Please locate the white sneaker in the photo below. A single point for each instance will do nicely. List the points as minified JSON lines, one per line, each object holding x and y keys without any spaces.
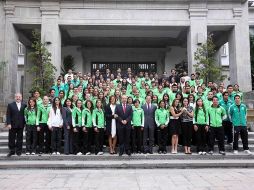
{"x":88,"y":153}
{"x":235,"y":152}
{"x":248,"y":152}
{"x":204,"y":153}
{"x":79,"y":153}
{"x":58,"y":153}
{"x":27,"y":153}
{"x":33,"y":153}
{"x":200,"y":153}
{"x":54,"y":153}
{"x":210,"y":152}
{"x":100,"y":153}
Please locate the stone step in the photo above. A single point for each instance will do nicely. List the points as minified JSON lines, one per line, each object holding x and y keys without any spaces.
{"x":108,"y":157}
{"x":126,"y":164}
{"x":228,"y":148}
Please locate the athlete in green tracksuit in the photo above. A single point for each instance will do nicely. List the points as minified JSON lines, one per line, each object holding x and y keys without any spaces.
{"x":238,"y":117}
{"x":99,"y":127}
{"x":44,"y":134}
{"x":78,"y":135}
{"x":216,"y":115}
{"x":137,"y":124}
{"x":162,"y":120}
{"x":31,"y":130}
{"x":87,"y":124}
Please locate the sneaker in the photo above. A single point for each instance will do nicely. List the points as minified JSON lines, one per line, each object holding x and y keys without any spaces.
{"x":200,"y":153}
{"x":79,"y":153}
{"x":53,"y":153}
{"x":235,"y":151}
{"x":222,"y":153}
{"x":160,"y":152}
{"x":100,"y":153}
{"x":165,"y":152}
{"x":33,"y":153}
{"x":88,"y":153}
{"x":247,"y":152}
{"x":204,"y":153}
{"x":58,"y":153}
{"x":27,"y":153}
{"x":210,"y":152}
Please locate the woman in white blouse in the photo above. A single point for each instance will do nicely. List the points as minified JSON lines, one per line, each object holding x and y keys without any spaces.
{"x":111,"y":124}
{"x":55,"y":124}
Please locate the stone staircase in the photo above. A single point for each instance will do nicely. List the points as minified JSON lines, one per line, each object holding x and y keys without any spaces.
{"x":2,"y":112}
{"x":137,"y":161}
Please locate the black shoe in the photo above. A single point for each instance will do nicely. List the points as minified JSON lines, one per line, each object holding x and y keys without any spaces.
{"x":150,"y":152}
{"x":129,"y":153}
{"x":10,"y":154}
{"x":165,"y":152}
{"x":19,"y":154}
{"x":120,"y":153}
{"x":160,"y":152}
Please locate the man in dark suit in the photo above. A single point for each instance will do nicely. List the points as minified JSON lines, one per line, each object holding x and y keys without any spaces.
{"x":149,"y":126}
{"x":15,"y":123}
{"x":124,"y":116}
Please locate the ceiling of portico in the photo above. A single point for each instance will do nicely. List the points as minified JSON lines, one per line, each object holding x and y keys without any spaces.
{"x":123,"y":36}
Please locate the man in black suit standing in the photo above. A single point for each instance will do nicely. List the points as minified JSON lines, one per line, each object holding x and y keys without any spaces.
{"x":15,"y":123}
{"x":124,"y":116}
{"x":149,"y":126}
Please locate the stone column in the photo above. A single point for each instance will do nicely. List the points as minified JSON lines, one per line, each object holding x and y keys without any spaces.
{"x":239,"y":50}
{"x":9,"y":53}
{"x":51,"y":34}
{"x":197,"y":33}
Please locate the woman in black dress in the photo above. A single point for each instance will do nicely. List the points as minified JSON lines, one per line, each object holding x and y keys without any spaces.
{"x":111,"y":124}
{"x":68,"y":129}
{"x":175,"y":124}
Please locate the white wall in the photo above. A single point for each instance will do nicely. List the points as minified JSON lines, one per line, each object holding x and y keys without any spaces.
{"x":76,"y":52}
{"x":174,"y":56}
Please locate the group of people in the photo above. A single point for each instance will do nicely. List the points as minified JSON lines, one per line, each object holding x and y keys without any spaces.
{"x":135,"y":112}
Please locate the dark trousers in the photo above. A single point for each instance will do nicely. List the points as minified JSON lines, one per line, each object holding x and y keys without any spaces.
{"x":68,"y":140}
{"x":228,"y":130}
{"x":56,"y":138}
{"x":31,"y":138}
{"x":162,"y":138}
{"x":242,"y":130}
{"x":148,"y":134}
{"x":15,"y":140}
{"x":99,"y":139}
{"x":136,"y":139}
{"x":88,"y":138}
{"x":78,"y":140}
{"x":218,"y":133}
{"x":201,"y":138}
{"x":44,"y":138}
{"x":124,"y":135}
{"x":187,"y":133}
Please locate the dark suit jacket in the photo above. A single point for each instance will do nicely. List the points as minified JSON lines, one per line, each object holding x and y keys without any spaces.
{"x":67,"y":117}
{"x":149,"y":115}
{"x":123,"y":116}
{"x":15,"y":117}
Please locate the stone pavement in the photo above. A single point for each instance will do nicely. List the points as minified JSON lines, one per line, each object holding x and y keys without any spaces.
{"x":156,"y":179}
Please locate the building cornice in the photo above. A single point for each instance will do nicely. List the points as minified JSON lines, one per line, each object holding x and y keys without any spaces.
{"x":49,"y":10}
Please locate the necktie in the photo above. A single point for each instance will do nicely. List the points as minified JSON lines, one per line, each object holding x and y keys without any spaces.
{"x":124,"y":108}
{"x":148,"y":107}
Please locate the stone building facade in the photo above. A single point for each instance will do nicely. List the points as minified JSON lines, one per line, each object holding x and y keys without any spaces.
{"x":163,"y":32}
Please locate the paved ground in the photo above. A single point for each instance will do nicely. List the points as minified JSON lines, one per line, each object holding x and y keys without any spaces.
{"x":128,"y":179}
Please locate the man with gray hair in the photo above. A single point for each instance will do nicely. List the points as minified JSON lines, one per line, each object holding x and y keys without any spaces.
{"x":15,"y":122}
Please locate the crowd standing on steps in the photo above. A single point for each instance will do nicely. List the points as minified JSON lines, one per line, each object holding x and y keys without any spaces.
{"x":132,"y":113}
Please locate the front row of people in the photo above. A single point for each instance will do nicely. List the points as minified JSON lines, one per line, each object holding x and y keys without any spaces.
{"x":135,"y":127}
